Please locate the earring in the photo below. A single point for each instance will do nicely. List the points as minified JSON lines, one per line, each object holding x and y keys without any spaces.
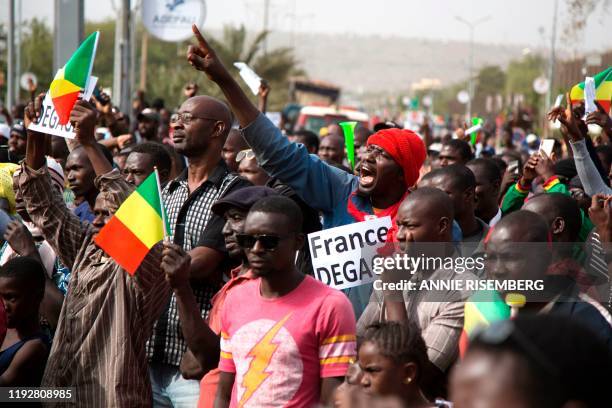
{"x":408,"y":380}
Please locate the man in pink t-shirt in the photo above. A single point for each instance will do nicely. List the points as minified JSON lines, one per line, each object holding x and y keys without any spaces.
{"x":286,"y":339}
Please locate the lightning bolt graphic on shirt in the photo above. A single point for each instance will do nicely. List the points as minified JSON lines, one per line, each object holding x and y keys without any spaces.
{"x":262,"y":354}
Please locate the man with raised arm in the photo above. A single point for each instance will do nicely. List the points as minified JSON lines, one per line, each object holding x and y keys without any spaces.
{"x":107,"y":315}
{"x":390,"y":166}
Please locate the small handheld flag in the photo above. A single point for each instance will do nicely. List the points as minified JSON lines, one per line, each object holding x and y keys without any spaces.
{"x":474,"y":131}
{"x":72,"y":79}
{"x":349,"y":141}
{"x":480,"y":310}
{"x":603,"y":89}
{"x":136,"y":227}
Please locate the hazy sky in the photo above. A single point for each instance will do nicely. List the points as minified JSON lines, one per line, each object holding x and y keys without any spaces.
{"x":511,"y":22}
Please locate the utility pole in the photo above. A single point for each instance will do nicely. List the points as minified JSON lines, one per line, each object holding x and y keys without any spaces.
{"x":17,"y":75}
{"x":67,"y":30}
{"x":10,"y":71}
{"x":471,"y":25}
{"x":121,"y":71}
{"x":265,"y":24}
{"x":551,"y":61}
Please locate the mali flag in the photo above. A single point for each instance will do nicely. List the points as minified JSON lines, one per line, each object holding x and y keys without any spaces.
{"x":603,"y":89}
{"x":136,"y":227}
{"x":481,"y":309}
{"x":72,"y":78}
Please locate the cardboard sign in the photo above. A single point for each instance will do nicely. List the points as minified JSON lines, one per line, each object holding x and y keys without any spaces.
{"x":49,"y":122}
{"x":342,"y":257}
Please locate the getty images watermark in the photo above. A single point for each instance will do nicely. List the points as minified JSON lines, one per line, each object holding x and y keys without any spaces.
{"x":469,"y":267}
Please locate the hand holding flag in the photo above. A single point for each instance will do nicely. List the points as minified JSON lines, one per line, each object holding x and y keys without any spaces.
{"x":136,"y":227}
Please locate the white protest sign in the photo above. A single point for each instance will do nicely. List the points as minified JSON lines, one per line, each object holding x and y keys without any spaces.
{"x":249,"y":76}
{"x":342,"y":257}
{"x":473,"y":129}
{"x":589,"y":96}
{"x":49,"y":121}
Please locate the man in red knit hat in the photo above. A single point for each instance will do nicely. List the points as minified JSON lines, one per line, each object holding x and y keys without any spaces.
{"x":390,"y":166}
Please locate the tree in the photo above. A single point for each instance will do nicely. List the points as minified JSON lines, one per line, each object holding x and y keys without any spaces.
{"x":520,"y":76}
{"x":578,"y":12}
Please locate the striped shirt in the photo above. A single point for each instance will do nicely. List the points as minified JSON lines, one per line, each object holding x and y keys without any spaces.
{"x":439,"y":315}
{"x":107,"y":316}
{"x":188,"y":214}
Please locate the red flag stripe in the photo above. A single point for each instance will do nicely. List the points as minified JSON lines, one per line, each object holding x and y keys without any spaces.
{"x":128,"y":251}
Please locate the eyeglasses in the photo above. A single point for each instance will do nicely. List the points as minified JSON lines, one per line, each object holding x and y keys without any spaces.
{"x":268,"y":242}
{"x":186,"y":118}
{"x":506,"y":332}
{"x":245,"y":154}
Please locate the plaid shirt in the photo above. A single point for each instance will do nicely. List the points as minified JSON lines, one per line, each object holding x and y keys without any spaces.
{"x":188,"y":215}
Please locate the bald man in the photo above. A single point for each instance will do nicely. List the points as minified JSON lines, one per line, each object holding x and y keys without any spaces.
{"x":563,"y":216}
{"x":518,"y":248}
{"x":331,"y":149}
{"x":233,"y":145}
{"x":424,"y":222}
{"x":200,"y":127}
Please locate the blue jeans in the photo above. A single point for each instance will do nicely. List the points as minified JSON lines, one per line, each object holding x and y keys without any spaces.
{"x":170,"y":389}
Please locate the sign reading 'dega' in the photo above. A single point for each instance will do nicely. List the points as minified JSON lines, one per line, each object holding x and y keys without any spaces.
{"x":171,"y":20}
{"x":343,"y":257}
{"x":49,"y":121}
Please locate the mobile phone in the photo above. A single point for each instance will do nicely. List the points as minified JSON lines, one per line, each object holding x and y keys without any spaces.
{"x":513,"y":167}
{"x":547,"y":146}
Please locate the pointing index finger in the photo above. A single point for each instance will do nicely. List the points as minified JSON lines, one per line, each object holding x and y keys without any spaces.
{"x":199,"y":37}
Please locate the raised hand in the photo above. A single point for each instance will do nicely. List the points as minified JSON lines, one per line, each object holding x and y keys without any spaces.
{"x":545,"y":166}
{"x":33,"y":110}
{"x":529,"y":169}
{"x":599,"y":117}
{"x":600,"y":214}
{"x":103,"y":103}
{"x":175,"y":264}
{"x":83,"y":117}
{"x":203,"y":58}
{"x":19,"y":238}
{"x":190,"y":90}
{"x":570,"y":120}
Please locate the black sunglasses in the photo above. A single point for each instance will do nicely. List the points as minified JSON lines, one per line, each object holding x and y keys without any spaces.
{"x":269,"y":242}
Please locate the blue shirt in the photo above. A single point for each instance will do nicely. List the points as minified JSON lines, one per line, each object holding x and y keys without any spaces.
{"x":83,"y":211}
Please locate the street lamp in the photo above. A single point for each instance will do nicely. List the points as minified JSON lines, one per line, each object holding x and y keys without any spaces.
{"x":471,"y":25}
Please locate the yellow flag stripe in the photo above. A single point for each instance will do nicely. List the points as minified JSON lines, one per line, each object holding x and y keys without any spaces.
{"x":140,"y":218}
{"x":473,"y":318}
{"x":61,"y":87}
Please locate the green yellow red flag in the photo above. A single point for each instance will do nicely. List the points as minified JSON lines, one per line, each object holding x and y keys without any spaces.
{"x":136,"y":227}
{"x":73,"y":78}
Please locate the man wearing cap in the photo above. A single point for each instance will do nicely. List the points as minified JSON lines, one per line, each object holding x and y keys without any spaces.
{"x":148,"y":123}
{"x":17,"y":142}
{"x":202,"y":336}
{"x":391,"y":163}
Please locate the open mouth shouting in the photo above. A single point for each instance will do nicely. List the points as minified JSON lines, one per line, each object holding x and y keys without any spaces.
{"x":367,"y":175}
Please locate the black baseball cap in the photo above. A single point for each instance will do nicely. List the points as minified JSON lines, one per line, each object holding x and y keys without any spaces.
{"x":242,"y":199}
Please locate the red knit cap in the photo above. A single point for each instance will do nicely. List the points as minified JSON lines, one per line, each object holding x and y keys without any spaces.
{"x":406,"y":148}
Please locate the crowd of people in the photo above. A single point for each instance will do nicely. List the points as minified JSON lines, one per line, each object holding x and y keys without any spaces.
{"x":227,"y":312}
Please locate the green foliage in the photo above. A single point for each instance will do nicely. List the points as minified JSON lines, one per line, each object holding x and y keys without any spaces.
{"x":167,"y":68}
{"x":520,"y":76}
{"x":37,"y":53}
{"x":491,"y":80}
